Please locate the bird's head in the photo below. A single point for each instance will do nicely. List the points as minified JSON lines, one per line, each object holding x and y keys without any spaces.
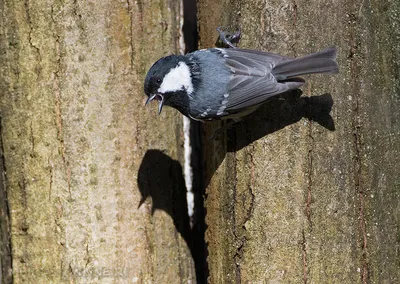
{"x":169,"y":81}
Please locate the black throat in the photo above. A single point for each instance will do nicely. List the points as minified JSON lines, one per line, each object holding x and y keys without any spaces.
{"x":179,"y":100}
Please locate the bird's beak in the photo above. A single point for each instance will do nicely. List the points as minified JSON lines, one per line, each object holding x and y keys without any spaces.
{"x":159,"y":98}
{"x":160,"y":104}
{"x":150,"y":98}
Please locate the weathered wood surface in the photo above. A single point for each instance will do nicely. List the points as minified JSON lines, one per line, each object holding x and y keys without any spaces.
{"x":288,"y":200}
{"x":76,"y":136}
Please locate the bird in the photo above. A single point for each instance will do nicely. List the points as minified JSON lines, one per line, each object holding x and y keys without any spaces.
{"x":229,"y":83}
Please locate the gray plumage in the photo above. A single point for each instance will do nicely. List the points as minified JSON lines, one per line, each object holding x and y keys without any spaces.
{"x":231,"y":83}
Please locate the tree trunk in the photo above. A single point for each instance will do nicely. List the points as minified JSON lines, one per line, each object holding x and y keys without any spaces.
{"x":294,"y":195}
{"x":75,"y":136}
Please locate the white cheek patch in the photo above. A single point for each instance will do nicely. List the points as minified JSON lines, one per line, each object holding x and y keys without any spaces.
{"x":177,"y":79}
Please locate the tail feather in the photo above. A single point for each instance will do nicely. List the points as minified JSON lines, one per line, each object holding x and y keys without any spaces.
{"x":319,"y":62}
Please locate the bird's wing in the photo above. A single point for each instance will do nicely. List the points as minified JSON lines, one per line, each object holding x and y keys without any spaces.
{"x":252,"y":82}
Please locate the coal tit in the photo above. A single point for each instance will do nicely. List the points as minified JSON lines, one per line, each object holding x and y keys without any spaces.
{"x":229,"y":83}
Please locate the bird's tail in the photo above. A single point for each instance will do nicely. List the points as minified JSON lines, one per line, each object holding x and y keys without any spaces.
{"x":319,"y":62}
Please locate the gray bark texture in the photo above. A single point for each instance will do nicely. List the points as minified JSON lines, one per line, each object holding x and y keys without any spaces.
{"x":292,"y":194}
{"x":75,"y":140}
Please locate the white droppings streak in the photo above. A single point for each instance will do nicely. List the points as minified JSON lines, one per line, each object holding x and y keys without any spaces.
{"x":177,"y":79}
{"x":188,"y":171}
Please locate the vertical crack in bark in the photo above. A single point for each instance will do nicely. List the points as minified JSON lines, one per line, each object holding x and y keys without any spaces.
{"x":250,"y":209}
{"x":32,"y":141}
{"x":51,"y":178}
{"x":294,"y":13}
{"x":57,"y":90}
{"x":238,"y":253}
{"x":309,"y":185}
{"x":238,"y":257}
{"x":238,"y":242}
{"x":356,"y":124}
{"x":131,"y":33}
{"x":80,"y":23}
{"x":310,"y":164}
{"x":5,"y":222}
{"x":71,"y":271}
{"x":37,"y":50}
{"x":136,"y":51}
{"x":305,"y":265}
{"x":22,"y":223}
{"x":139,"y":69}
{"x":360,"y":191}
{"x":294,"y":29}
{"x":57,"y":93}
{"x":309,"y":190}
{"x":240,"y":236}
{"x":69,"y":182}
{"x":249,"y":213}
{"x":87,"y":255}
{"x":24,"y":202}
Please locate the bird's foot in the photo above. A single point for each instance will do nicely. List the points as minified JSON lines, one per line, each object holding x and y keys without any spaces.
{"x":227,"y":39}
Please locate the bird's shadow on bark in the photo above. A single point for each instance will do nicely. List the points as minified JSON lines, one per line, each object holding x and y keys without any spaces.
{"x":276,"y":114}
{"x":161,"y":179}
{"x":280,"y":112}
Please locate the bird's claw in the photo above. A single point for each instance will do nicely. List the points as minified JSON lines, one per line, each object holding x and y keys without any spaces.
{"x":227,"y":39}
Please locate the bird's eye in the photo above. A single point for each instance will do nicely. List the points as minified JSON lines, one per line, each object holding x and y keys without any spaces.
{"x":158,"y":80}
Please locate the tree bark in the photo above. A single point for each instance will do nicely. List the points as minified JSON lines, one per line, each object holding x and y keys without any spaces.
{"x":75,"y":137}
{"x":294,"y":195}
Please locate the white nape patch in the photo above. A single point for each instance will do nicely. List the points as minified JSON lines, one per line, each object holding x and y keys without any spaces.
{"x":226,"y":95}
{"x":177,"y":79}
